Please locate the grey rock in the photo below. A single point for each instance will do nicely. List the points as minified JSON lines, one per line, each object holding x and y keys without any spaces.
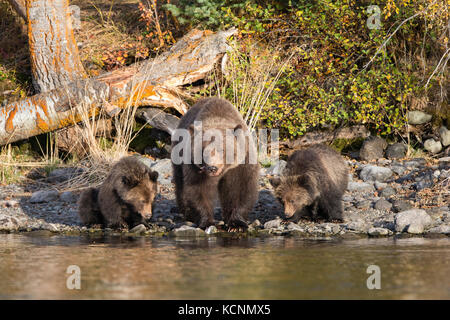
{"x":396,"y":151}
{"x":147,"y":161}
{"x":187,"y":231}
{"x":401,"y":205}
{"x":383,"y":204}
{"x":379,"y":232}
{"x":360,"y":187}
{"x":418,"y":117}
{"x":380,"y":185}
{"x":294,"y":227}
{"x":63,"y":174}
{"x":372,"y":149}
{"x":442,"y":229}
{"x":8,"y":223}
{"x":412,"y":221}
{"x":163,"y":167}
{"x":445,"y":136}
{"x":388,"y":192}
{"x":363,"y":204}
{"x":44,"y":196}
{"x":375,"y":173}
{"x":211,"y":230}
{"x":140,"y":228}
{"x":68,"y":197}
{"x":398,"y":170}
{"x":358,"y":226}
{"x":432,"y":146}
{"x":273,"y":224}
{"x":276,"y":168}
{"x":255,"y":223}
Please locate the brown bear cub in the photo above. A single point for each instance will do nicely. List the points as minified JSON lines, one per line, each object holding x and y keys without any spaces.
{"x":312,"y":184}
{"x":230,"y":175}
{"x":123,"y":200}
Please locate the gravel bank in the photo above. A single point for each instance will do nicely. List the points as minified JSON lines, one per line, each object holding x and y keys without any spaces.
{"x":384,"y":198}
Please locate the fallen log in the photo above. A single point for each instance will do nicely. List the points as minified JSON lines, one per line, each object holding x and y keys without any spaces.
{"x":154,"y":82}
{"x":311,"y":138}
{"x":159,"y":119}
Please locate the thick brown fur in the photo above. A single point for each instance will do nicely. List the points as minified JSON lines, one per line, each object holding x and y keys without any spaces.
{"x":124,"y":199}
{"x":312,"y":184}
{"x":236,"y":185}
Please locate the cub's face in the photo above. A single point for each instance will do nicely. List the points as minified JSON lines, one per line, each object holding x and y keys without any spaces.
{"x":139,"y":191}
{"x":292,"y":195}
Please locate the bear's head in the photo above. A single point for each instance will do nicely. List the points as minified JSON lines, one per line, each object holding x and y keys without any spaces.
{"x":295,"y":192}
{"x":214,"y":151}
{"x":137,"y":188}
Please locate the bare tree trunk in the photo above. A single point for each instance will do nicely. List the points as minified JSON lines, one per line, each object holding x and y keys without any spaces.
{"x":154,"y":82}
{"x":19,"y":6}
{"x":55,"y":61}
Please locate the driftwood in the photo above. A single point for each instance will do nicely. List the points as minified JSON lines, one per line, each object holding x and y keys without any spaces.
{"x":311,"y":138}
{"x":154,"y":82}
{"x":159,"y":119}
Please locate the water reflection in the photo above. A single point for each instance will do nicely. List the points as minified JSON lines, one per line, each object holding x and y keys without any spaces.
{"x":34,"y":266}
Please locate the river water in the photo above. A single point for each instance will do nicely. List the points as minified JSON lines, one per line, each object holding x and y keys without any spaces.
{"x":34,"y":266}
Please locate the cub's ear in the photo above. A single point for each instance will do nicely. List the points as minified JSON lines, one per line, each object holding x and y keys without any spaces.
{"x":153,"y":175}
{"x":128,"y":181}
{"x":275,"y":182}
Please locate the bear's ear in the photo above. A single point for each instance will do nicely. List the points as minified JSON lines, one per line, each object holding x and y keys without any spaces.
{"x":238,"y":127}
{"x":275,"y":182}
{"x":129,"y":182}
{"x":153,"y":175}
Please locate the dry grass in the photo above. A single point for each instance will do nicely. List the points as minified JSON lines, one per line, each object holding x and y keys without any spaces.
{"x":251,"y":79}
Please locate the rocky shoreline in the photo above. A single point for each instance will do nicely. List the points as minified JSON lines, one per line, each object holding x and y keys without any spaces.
{"x":384,"y":198}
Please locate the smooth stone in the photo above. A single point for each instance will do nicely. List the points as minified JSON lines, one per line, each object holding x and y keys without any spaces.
{"x":398,"y":170}
{"x":375,"y":173}
{"x":445,"y":136}
{"x":396,"y":151}
{"x":418,"y":117}
{"x":163,"y":167}
{"x":401,"y":205}
{"x":44,"y":196}
{"x":68,"y":196}
{"x":388,"y":192}
{"x":294,"y":227}
{"x":364,"y":204}
{"x":412,"y":221}
{"x":187,"y":231}
{"x":273,"y":224}
{"x":360,"y":187}
{"x":276,"y":168}
{"x":383,"y":204}
{"x":432,"y":146}
{"x":372,"y":149}
{"x":442,"y":229}
{"x":211,"y":230}
{"x":378,"y":232}
{"x":380,"y":185}
{"x":140,"y":228}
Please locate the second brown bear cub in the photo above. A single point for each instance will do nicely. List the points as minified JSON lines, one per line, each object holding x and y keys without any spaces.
{"x":312,"y":184}
{"x":124,"y":199}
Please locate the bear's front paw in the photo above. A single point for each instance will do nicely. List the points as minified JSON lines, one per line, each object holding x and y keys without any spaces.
{"x":237,"y":226}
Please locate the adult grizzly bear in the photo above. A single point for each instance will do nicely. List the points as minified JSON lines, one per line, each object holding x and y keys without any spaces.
{"x":217,"y":159}
{"x":312,"y":184}
{"x":124,"y":199}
